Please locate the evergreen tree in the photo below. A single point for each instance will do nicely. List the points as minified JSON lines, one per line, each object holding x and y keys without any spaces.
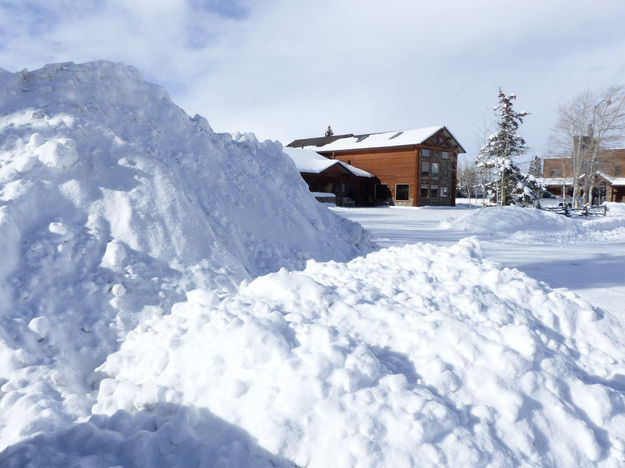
{"x":536,"y":167}
{"x":508,"y":185}
{"x":329,"y":131}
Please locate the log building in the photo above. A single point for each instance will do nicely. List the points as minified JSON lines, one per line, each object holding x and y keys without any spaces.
{"x":412,"y":167}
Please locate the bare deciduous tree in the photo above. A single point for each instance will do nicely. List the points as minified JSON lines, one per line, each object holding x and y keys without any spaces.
{"x":587,"y":125}
{"x":467,"y":177}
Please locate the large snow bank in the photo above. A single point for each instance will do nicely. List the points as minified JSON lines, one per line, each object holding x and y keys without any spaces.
{"x":411,"y":356}
{"x":530,"y":225}
{"x":114,"y":203}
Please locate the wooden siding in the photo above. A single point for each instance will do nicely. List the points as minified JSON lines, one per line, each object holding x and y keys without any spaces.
{"x":557,"y":167}
{"x":393,"y":166}
{"x":390,"y":167}
{"x":613,"y":163}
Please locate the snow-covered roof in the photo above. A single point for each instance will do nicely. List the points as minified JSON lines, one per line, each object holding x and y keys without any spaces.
{"x":614,"y":181}
{"x":386,"y":140}
{"x":308,"y":160}
{"x":555,"y":180}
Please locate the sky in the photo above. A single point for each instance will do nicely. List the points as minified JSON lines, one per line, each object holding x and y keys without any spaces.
{"x":286,"y":69}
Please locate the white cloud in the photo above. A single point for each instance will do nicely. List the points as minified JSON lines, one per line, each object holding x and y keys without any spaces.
{"x":287,"y":69}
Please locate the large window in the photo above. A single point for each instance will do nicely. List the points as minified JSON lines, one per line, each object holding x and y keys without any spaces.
{"x":402,"y":191}
{"x":434,"y":191}
{"x":555,"y":172}
{"x":425,"y":169}
{"x":425,"y":191}
{"x":435,"y":167}
{"x":434,"y":153}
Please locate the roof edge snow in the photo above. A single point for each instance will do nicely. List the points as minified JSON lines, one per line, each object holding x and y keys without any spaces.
{"x":367,"y":141}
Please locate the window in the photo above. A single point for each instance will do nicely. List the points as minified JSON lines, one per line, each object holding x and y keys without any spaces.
{"x":425,"y":191}
{"x":444,"y":192}
{"x":617,"y":171}
{"x":402,"y":191}
{"x":425,"y":152}
{"x":435,"y":170}
{"x":425,"y":169}
{"x":434,"y":191}
{"x":555,"y":172}
{"x":445,"y":155}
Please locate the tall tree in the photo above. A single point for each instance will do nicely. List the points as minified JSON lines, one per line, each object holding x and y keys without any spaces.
{"x":497,"y":156}
{"x":536,"y":167}
{"x":588,"y":125}
{"x":606,"y":127}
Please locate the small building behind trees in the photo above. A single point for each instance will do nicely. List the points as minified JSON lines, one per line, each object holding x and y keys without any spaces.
{"x":609,"y":176}
{"x":412,"y":167}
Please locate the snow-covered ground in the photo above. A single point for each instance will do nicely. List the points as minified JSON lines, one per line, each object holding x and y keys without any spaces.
{"x":157,"y":307}
{"x":585,"y":255}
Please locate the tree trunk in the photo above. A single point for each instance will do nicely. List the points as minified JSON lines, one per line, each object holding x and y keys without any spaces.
{"x":575,"y":193}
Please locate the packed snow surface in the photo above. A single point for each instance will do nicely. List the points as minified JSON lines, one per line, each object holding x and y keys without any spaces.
{"x":113,"y":204}
{"x":534,"y":225}
{"x":145,"y":319}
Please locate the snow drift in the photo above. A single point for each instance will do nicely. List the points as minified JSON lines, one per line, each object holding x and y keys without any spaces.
{"x":411,"y":356}
{"x":114,"y":203}
{"x":529,"y":225}
{"x":137,"y":328}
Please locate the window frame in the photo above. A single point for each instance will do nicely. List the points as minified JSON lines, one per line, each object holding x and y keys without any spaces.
{"x":425,"y":173}
{"x":438,"y":170}
{"x":434,"y":191}
{"x":397,"y":192}
{"x":425,"y":187}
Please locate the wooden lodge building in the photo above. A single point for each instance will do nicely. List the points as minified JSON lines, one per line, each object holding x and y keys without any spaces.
{"x":609,"y":177}
{"x":411,"y":167}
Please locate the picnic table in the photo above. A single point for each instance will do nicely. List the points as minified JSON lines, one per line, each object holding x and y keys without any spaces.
{"x":586,"y":210}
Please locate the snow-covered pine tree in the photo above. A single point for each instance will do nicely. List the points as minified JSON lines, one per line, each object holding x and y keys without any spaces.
{"x":329,"y":131}
{"x":536,"y":167}
{"x":508,"y":185}
{"x":526,"y":189}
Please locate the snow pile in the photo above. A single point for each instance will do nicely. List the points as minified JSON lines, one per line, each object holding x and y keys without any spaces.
{"x":113,"y":204}
{"x":414,"y":355}
{"x":529,"y":225}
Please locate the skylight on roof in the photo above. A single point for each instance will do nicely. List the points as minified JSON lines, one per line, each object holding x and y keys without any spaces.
{"x":396,"y":135}
{"x":362,"y":138}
